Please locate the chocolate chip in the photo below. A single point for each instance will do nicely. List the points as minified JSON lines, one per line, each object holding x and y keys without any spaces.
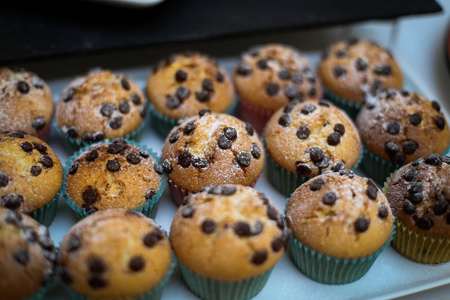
{"x":97,"y":265}
{"x":243,"y":69}
{"x":172,"y":102}
{"x":136,"y":263}
{"x":17,"y":134}
{"x":308,"y":108}
{"x":199,"y":162}
{"x":21,"y":256}
{"x":303,"y":169}
{"x":188,"y":211}
{"x":189,"y":127}
{"x":150,"y":239}
{"x":316,"y":185}
{"x":257,"y":228}
{"x":74,"y":243}
{"x":136,"y":99}
{"x":158,"y":168}
{"x":87,"y":137}
{"x":125,"y":84}
{"x":409,"y":176}
{"x":35,"y":170}
{"x":183,"y":93}
{"x":124,"y":107}
{"x":259,"y":257}
{"x":181,"y":76}
{"x":393,"y":127}
{"x":97,"y":282}
{"x":415,"y":119}
{"x":214,"y":190}
{"x":133,"y":158}
{"x":383,"y":212}
{"x":255,"y":151}
{"x":339,"y":71}
{"x":324,"y":103}
{"x":440,"y":122}
{"x":116,"y":122}
{"x":39,"y":123}
{"x":362,"y":224}
{"x":277,"y":243}
{"x":312,"y":91}
{"x":284,"y":120}
{"x":149,"y":195}
{"x":409,"y":147}
{"x":382,"y":70}
{"x":208,"y":85}
{"x":209,"y":226}
{"x":272,"y":89}
{"x":441,"y":207}
{"x":40,"y":147}
{"x":372,"y":192}
{"x":69,"y":95}
{"x":290,"y":107}
{"x":284,"y":74}
{"x":338,"y":166}
{"x":329,"y":198}
{"x":166,"y":166}
{"x":334,"y":138}
{"x":349,"y":173}
{"x":416,"y":187}
{"x":297,"y":78}
{"x":46,"y":161}
{"x":228,"y":190}
{"x":262,"y":64}
{"x":408,"y":207}
{"x":174,"y":135}
{"x":219,"y":76}
{"x":89,"y":208}
{"x":230,"y":133}
{"x":107,"y":109}
{"x":204,"y":111}
{"x":143,"y":111}
{"x":390,"y":148}
{"x":23,"y":87}
{"x":316,"y":154}
{"x":272,"y":212}
{"x":72,"y":132}
{"x":424,"y":223}
{"x":64,"y":274}
{"x":249,"y":128}
{"x":224,"y":142}
{"x":202,"y":96}
{"x":339,"y":128}
{"x":303,"y":132}
{"x":243,"y":159}
{"x":291,"y":92}
{"x":447,"y":219}
{"x":4,"y":179}
{"x":26,"y":146}
{"x":416,"y":197}
{"x":433,"y":159}
{"x":242,"y":229}
{"x":436,"y":106}
{"x":90,"y":195}
{"x":184,"y":159}
{"x":361,"y":64}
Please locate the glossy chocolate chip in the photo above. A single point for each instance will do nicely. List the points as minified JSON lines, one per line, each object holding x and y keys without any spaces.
{"x":89,"y":208}
{"x":284,"y":74}
{"x":174,"y":135}
{"x":257,"y":228}
{"x":40,"y":147}
{"x":220,"y":77}
{"x":272,"y":89}
{"x":214,"y":190}
{"x":72,"y":132}
{"x":228,"y":190}
{"x":207,"y":85}
{"x":249,"y":128}
{"x":291,"y":92}
{"x":143,"y":111}
{"x":149,"y":195}
{"x":259,"y":257}
{"x":408,"y":207}
{"x":393,"y":127}
{"x":189,"y":127}
{"x":361,"y":64}
{"x":172,"y":102}
{"x":383,"y":211}
{"x":124,"y":107}
{"x":181,"y":76}
{"x":133,"y":158}
{"x":115,"y":148}
{"x":409,"y":147}
{"x":329,"y":198}
{"x":136,"y":263}
{"x":433,"y":159}
{"x":35,"y":170}
{"x":339,"y":128}
{"x":125,"y":84}
{"x":183,"y":93}
{"x":338,"y":166}
{"x":188,"y":211}
{"x":416,"y":187}
{"x":39,"y":123}
{"x":390,"y":148}
{"x":242,"y":229}
{"x":436,"y":106}
{"x":308,"y":108}
{"x":316,"y":154}
{"x":440,"y":122}
{"x":74,"y":243}
{"x":17,"y":134}
{"x":202,"y":96}
{"x":382,"y":70}
{"x":362,"y":224}
{"x":285,"y":120}
{"x":441,"y":207}
{"x":136,"y":99}
{"x":107,"y":109}
{"x":316,"y":185}
{"x":97,"y":265}
{"x":199,"y":162}
{"x":415,"y":119}
{"x":166,"y":166}
{"x":255,"y":151}
{"x":4,"y":179}
{"x":224,"y":142}
{"x":64,"y":274}
{"x":204,"y":111}
{"x":46,"y":161}
{"x":26,"y":146}
{"x":303,"y":169}
{"x":87,"y":137}
{"x":185,"y":159}
{"x":277,"y":243}
{"x":150,"y":239}
{"x":424,"y":223}
{"x":90,"y":195}
{"x":230,"y":133}
{"x":334,"y":138}
{"x":410,"y":175}
{"x":372,"y":192}
{"x":297,"y":78}
{"x":243,"y":158}
{"x":69,"y":95}
{"x":116,"y":122}
{"x":97,"y":282}
{"x":312,"y":91}
{"x":243,"y":69}
{"x":23,"y":87}
{"x":21,"y":256}
{"x":262,"y":63}
{"x":209,"y":226}
{"x":291,"y":106}
{"x":303,"y":132}
{"x":272,"y":212}
{"x":339,"y":71}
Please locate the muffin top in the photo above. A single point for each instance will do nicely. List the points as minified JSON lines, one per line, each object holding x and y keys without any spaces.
{"x":100,"y":105}
{"x":311,"y":137}
{"x":27,"y":255}
{"x":340,"y":215}
{"x":26,"y":101}
{"x":352,"y":68}
{"x":114,"y":254}
{"x":419,"y":195}
{"x":185,"y":83}
{"x":272,"y":75}
{"x":403,"y":126}
{"x":113,"y":175}
{"x":212,"y":149}
{"x":228,"y":232}
{"x":30,"y":172}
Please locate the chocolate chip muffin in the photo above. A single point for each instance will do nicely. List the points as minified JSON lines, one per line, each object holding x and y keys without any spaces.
{"x":228,"y":237}
{"x":114,"y":174}
{"x":182,"y":85}
{"x":101,"y":105}
{"x":303,"y":140}
{"x":211,"y":149}
{"x":419,"y":195}
{"x":339,"y":221}
{"x":27,"y":256}
{"x":115,"y":254}
{"x":354,"y":68}
{"x":26,"y":102}
{"x":31,"y":176}
{"x":269,"y":77}
{"x":398,"y":127}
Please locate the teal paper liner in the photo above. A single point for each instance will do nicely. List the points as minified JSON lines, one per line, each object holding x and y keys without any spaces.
{"x":163,"y":125}
{"x":73,"y":144}
{"x":153,"y":294}
{"x":148,"y":208}
{"x":377,"y":168}
{"x":213,"y":289}
{"x":46,"y":214}
{"x":351,"y":108}
{"x":40,"y":294}
{"x":329,"y":269}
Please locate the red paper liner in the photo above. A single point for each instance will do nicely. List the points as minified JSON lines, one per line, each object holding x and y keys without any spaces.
{"x":258,"y":117}
{"x":44,"y":132}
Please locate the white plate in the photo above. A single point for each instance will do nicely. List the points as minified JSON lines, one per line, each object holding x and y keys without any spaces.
{"x":391,"y":275}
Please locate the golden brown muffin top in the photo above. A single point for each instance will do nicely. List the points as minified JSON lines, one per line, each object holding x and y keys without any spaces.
{"x":272,"y":75}
{"x":341,"y":215}
{"x":403,"y":126}
{"x":419,"y":195}
{"x":100,"y":105}
{"x":113,"y":175}
{"x":31,"y":173}
{"x":26,"y":102}
{"x":185,"y":83}
{"x":114,"y":254}
{"x":352,"y":68}
{"x":311,"y":137}
{"x":228,"y":232}
{"x":212,"y":149}
{"x":27,"y":255}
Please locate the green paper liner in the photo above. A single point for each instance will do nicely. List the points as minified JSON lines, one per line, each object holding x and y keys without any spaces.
{"x":46,"y":214}
{"x":377,"y":167}
{"x":40,"y":294}
{"x":153,"y":294}
{"x":351,"y":108}
{"x":163,"y":125}
{"x":329,"y":269}
{"x":73,"y":144}
{"x":213,"y":289}
{"x":148,"y":208}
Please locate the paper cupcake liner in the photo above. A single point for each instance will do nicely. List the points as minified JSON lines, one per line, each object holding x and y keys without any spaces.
{"x":40,"y":295}
{"x":46,"y":214}
{"x":328,"y":269}
{"x":213,"y":289}
{"x":44,"y":132}
{"x":163,"y":125}
{"x":178,"y":193}
{"x":351,"y":108}
{"x":73,"y":144}
{"x":285,"y":181}
{"x":148,"y":208}
{"x":154,"y":294}
{"x":258,"y":117}
{"x":377,"y":168}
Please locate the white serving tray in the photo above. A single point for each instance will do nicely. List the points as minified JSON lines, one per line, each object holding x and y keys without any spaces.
{"x":391,"y":275}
